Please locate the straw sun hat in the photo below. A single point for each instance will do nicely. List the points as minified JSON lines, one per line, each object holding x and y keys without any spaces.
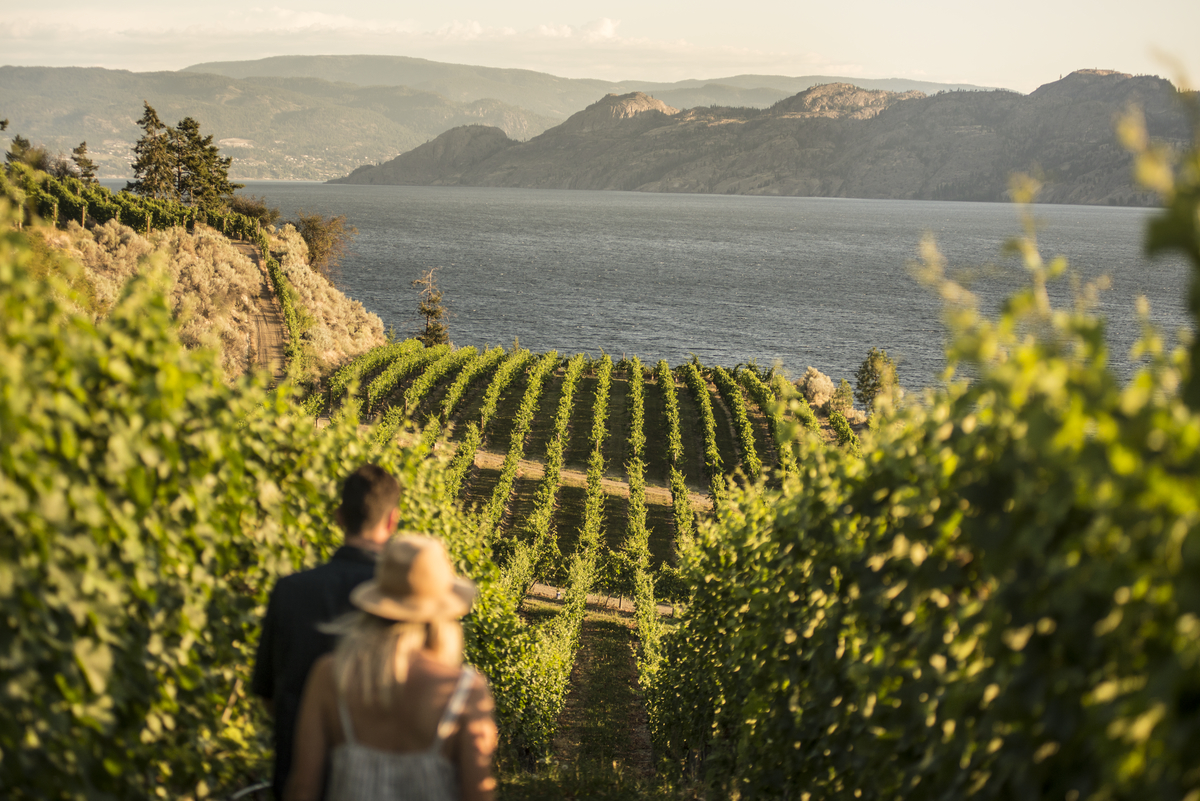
{"x":414,"y":581}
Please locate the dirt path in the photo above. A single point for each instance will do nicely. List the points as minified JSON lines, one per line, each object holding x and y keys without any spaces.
{"x":529,"y":468}
{"x":269,"y":333}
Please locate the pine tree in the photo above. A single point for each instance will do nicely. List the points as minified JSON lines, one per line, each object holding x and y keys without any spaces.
{"x":202,"y":174}
{"x":180,"y":164}
{"x":431,"y":308}
{"x":876,"y":375}
{"x":85,"y":166}
{"x":153,"y":166}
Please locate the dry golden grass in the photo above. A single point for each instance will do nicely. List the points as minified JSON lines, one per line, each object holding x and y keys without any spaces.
{"x":214,"y":287}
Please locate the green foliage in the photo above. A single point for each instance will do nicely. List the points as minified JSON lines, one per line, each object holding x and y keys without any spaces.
{"x":327,"y":239}
{"x":773,"y":408}
{"x":680,"y":497}
{"x":1001,"y":600}
{"x":1175,"y":178}
{"x":712,"y":457}
{"x":400,"y":368}
{"x":367,"y":363}
{"x":732,"y":395}
{"x":430,"y":307}
{"x":178,"y":164}
{"x":842,"y":400}
{"x":397,"y":414}
{"x":464,"y":457}
{"x":538,"y":374}
{"x":254,"y":207}
{"x":539,"y":534}
{"x":637,"y":408}
{"x":846,"y":437}
{"x":148,"y":508}
{"x":293,"y":322}
{"x":875,"y":376}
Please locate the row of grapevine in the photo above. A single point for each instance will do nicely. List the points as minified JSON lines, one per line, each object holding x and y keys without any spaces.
{"x":712,"y":456}
{"x":417,"y":391}
{"x":537,"y":537}
{"x":60,"y":201}
{"x":399,"y":369}
{"x":685,"y":519}
{"x":732,"y":395}
{"x":538,"y":374}
{"x":846,"y":438}
{"x":142,"y":534}
{"x":1006,"y":604}
{"x":478,"y":365}
{"x":367,"y":363}
{"x":290,"y":307}
{"x":559,"y":642}
{"x":796,"y":403}
{"x":773,"y":409}
{"x":397,"y":413}
{"x":636,"y":549}
{"x":464,"y":457}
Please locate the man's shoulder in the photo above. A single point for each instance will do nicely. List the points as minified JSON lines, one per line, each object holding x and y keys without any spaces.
{"x":346,"y":563}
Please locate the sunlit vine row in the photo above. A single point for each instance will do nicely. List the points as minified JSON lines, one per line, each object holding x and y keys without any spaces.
{"x":519,"y":429}
{"x":399,"y":369}
{"x":732,"y":395}
{"x":685,"y":519}
{"x":537,"y":537}
{"x":712,"y":457}
{"x":772,"y":408}
{"x":464,"y":457}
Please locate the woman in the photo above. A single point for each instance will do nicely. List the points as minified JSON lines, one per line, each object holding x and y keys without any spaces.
{"x":392,"y":713}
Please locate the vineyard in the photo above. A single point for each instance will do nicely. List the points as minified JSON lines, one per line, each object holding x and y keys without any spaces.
{"x":992,"y":591}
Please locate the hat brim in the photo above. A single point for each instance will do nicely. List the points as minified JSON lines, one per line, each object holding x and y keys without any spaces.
{"x":454,"y":604}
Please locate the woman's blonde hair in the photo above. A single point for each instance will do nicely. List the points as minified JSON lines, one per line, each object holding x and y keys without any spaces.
{"x":378,"y":651}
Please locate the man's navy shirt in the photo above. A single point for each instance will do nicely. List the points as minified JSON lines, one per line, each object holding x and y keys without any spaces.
{"x":290,"y":642}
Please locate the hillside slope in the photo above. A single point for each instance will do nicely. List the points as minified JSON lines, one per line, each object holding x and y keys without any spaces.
{"x":835,"y":140}
{"x":216,"y":288}
{"x":290,"y":128}
{"x":541,"y":92}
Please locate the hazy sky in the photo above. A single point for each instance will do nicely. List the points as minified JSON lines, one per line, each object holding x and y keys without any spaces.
{"x":1017,"y":44}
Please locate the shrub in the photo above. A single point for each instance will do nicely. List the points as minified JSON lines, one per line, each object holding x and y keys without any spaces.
{"x":327,"y":239}
{"x":255,"y":207}
{"x":876,"y":376}
{"x":816,"y":387}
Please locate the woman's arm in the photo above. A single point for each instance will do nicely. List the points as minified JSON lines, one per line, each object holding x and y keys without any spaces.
{"x":313,"y":741}
{"x":477,"y":739}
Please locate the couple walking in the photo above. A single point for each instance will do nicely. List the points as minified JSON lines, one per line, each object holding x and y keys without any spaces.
{"x":360,"y":663}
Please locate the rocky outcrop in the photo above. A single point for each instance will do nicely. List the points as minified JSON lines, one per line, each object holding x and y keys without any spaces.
{"x":835,"y":140}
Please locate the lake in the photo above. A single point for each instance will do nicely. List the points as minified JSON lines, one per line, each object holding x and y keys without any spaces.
{"x":798,"y":281}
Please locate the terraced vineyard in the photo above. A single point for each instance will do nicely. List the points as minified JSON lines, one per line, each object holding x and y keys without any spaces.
{"x":534,"y":439}
{"x":584,"y":475}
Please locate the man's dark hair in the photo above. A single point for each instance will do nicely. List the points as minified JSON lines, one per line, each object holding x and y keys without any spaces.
{"x":370,"y":492}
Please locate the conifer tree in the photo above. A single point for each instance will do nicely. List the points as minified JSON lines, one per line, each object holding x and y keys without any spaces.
{"x":431,"y":308}
{"x":180,"y":164}
{"x":152,"y":167}
{"x":876,"y":375}
{"x":85,"y":166}
{"x":201,"y":173}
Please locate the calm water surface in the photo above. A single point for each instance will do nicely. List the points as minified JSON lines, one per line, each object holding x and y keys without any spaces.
{"x":800,"y":281}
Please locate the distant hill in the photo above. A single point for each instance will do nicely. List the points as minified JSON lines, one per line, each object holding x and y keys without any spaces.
{"x":283,"y":128}
{"x":540,"y":92}
{"x":835,"y":140}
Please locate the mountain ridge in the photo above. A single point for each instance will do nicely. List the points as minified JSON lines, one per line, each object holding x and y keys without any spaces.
{"x":835,"y":140}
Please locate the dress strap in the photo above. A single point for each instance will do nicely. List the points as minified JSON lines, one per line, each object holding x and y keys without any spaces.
{"x":344,"y":714}
{"x":453,"y":709}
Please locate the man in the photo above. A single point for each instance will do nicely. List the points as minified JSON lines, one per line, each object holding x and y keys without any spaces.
{"x":290,"y":642}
